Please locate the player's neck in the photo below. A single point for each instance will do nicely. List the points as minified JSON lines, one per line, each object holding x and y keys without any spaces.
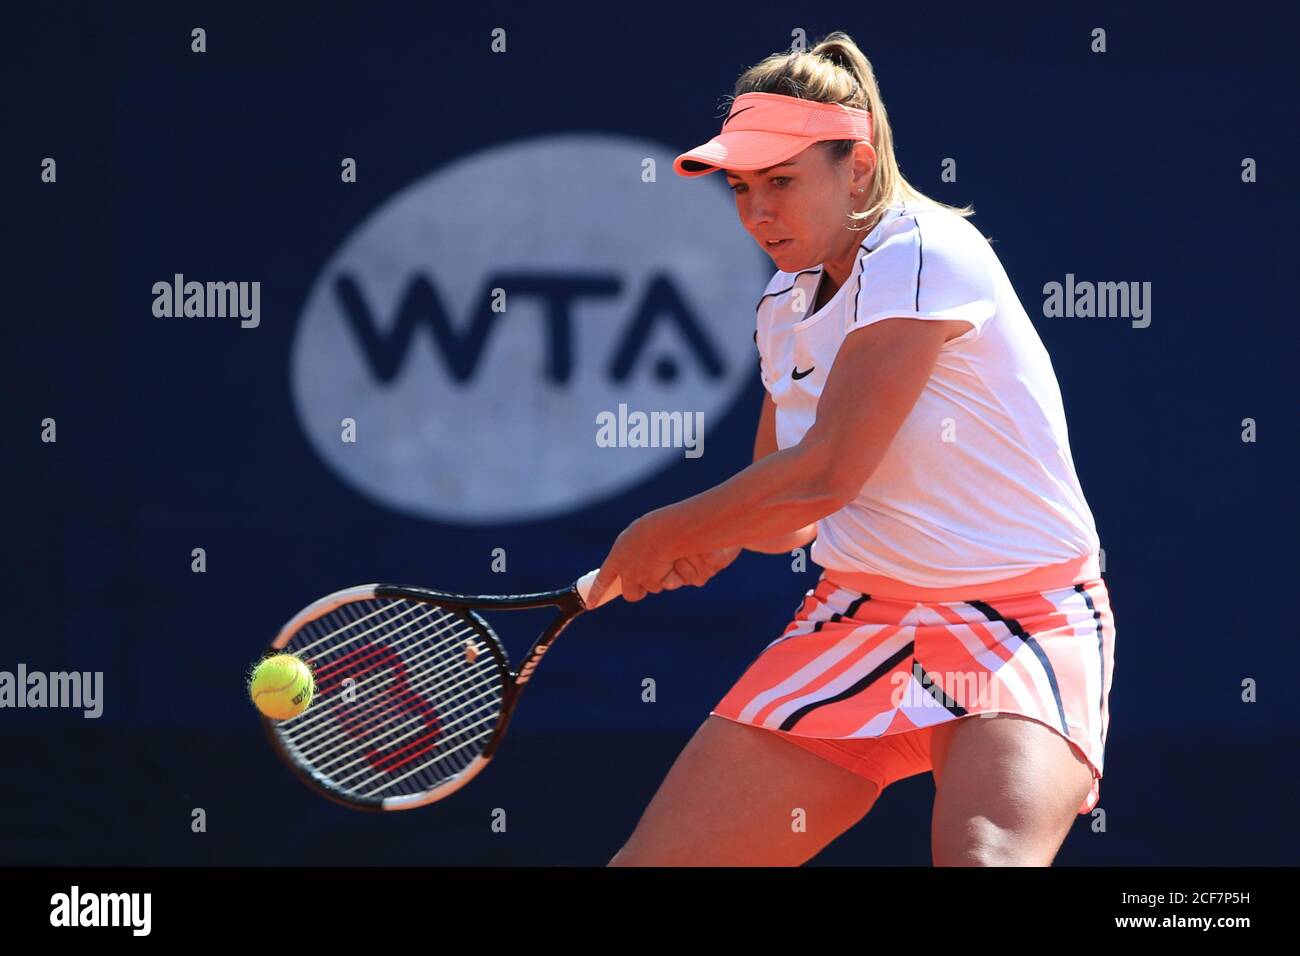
{"x":836,"y":272}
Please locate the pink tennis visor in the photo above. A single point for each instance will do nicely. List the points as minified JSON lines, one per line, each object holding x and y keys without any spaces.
{"x":764,"y":129}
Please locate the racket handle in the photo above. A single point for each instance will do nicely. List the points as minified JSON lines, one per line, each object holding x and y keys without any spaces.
{"x":584,"y":588}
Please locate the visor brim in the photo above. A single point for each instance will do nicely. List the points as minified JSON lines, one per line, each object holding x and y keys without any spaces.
{"x":741,"y":150}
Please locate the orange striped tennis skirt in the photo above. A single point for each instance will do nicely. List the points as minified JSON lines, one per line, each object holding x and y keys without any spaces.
{"x":869,"y":665}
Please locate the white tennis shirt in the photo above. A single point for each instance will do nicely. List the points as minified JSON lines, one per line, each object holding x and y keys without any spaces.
{"x":979,"y":484}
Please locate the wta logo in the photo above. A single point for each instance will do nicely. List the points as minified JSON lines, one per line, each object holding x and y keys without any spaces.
{"x":478,"y":322}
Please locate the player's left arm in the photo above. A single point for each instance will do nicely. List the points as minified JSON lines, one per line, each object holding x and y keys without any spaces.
{"x":878,"y":375}
{"x":876,"y":379}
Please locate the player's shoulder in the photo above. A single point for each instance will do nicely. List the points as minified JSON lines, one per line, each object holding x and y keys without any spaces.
{"x":925,"y":237}
{"x":928,"y":226}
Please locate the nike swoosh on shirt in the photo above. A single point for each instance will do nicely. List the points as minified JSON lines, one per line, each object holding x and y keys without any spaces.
{"x":796,"y":374}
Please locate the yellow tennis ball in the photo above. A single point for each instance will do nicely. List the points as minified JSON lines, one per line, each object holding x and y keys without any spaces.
{"x":282,"y":686}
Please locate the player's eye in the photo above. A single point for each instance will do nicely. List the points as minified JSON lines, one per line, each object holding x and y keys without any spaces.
{"x":779,"y":181}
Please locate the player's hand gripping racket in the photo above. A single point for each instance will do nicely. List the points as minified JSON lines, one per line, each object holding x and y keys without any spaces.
{"x":413,"y":689}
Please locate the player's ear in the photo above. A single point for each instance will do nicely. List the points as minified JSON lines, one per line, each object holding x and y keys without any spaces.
{"x":864,"y":166}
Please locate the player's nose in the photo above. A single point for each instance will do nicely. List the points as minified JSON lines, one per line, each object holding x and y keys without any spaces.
{"x":757,"y":221}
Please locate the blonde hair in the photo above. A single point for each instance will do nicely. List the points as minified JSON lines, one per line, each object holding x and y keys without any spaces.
{"x":836,"y":71}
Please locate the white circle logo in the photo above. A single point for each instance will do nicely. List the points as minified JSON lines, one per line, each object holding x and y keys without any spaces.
{"x":477,"y":323}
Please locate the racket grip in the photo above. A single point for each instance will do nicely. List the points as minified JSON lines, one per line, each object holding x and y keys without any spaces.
{"x":584,"y":588}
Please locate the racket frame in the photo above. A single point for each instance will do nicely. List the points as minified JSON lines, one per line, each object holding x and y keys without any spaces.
{"x":570,"y":602}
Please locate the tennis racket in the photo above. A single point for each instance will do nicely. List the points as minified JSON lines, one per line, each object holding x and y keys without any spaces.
{"x":413,"y":689}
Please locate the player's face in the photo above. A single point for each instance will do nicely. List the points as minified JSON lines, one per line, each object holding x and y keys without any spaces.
{"x":803,"y":203}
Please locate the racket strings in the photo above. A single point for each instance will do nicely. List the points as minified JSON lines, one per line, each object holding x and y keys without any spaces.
{"x":394,"y":758}
{"x":328,"y":759}
{"x":402,"y":704}
{"x":438,"y":658}
{"x":487,"y":680}
{"x":324,"y":669}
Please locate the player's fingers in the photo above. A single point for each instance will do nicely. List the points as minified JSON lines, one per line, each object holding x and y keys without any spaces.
{"x":672,"y":581}
{"x":607,"y":575}
{"x":717,"y":560}
{"x":691,"y":570}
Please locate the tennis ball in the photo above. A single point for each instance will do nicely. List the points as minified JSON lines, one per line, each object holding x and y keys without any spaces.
{"x":282,"y":686}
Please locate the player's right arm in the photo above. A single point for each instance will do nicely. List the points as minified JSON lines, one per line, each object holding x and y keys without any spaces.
{"x":764,"y":445}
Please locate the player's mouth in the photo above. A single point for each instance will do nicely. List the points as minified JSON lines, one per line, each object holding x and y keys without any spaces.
{"x":771,"y":245}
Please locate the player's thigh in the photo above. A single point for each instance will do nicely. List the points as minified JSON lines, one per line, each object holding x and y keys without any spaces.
{"x":1008,"y":790}
{"x":742,"y":796}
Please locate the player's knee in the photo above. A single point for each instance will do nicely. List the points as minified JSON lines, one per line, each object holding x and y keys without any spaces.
{"x":753,"y":857}
{"x":623,"y":858}
{"x":642,"y":849}
{"x":980,"y":842}
{"x":973,"y":855}
{"x":637,"y":854}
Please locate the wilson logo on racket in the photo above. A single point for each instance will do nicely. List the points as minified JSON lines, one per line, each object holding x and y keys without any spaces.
{"x":385,"y":708}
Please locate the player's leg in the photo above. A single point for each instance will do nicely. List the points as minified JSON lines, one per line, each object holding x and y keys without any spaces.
{"x":1008,"y":789}
{"x":742,"y":796}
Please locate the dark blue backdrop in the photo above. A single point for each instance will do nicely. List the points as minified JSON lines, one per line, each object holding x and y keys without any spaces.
{"x":176,"y":434}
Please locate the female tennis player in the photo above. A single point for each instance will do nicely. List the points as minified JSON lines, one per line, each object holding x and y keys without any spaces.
{"x":914,"y":427}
